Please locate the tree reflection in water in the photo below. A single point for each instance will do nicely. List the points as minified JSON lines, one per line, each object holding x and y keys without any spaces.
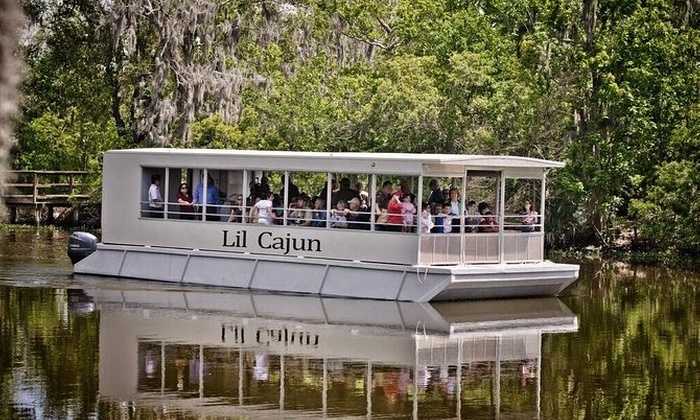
{"x":62,"y":353}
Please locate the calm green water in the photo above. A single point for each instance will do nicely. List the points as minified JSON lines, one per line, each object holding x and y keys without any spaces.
{"x":622,"y":343}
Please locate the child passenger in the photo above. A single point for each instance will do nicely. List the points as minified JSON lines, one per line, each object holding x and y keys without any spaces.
{"x":438,"y":218}
{"x":447,"y":218}
{"x":426,"y":220}
{"x":338,"y":219}
{"x":408,"y":210}
{"x":318,"y":214}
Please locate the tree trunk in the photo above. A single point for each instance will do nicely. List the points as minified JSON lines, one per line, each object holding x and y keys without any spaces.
{"x":10,"y":16}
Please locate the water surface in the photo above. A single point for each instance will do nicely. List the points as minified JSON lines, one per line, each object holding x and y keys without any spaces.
{"x":620,"y":343}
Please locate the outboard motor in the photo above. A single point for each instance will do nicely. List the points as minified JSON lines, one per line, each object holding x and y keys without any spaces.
{"x":80,"y":245}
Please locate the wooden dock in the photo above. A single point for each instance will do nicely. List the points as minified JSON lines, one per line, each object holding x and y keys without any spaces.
{"x":43,"y":192}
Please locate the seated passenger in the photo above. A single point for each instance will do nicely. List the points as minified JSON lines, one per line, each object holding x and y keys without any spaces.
{"x":382,"y":219}
{"x":236,"y":215}
{"x":338,"y":219}
{"x":489,"y":223}
{"x":357,"y":219}
{"x":473,"y":218}
{"x":529,"y":217}
{"x":301,"y":214}
{"x":318,"y":214}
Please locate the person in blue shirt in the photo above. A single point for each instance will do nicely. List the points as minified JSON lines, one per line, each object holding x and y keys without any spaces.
{"x":212,"y":197}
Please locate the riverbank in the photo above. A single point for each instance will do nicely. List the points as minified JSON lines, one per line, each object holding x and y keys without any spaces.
{"x":667,"y":258}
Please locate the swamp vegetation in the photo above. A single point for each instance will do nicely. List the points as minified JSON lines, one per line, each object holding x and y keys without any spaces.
{"x":610,"y":87}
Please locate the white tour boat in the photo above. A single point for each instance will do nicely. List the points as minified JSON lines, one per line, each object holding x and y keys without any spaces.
{"x":357,"y":250}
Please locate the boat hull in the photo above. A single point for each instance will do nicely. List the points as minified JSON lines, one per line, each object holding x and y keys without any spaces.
{"x":328,"y":277}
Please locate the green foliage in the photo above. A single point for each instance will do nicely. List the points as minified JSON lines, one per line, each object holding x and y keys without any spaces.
{"x":53,"y":143}
{"x":213,"y":133}
{"x":66,"y":122}
{"x":611,"y":90}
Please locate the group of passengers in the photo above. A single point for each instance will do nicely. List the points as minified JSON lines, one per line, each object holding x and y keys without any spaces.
{"x":393,"y":210}
{"x":442,"y":215}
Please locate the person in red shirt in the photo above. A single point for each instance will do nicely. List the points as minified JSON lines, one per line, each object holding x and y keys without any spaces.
{"x":395,"y":213}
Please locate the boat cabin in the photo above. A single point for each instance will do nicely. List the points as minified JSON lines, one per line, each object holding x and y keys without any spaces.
{"x":408,"y":209}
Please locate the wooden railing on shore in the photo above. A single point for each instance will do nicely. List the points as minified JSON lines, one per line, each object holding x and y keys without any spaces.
{"x":43,"y":190}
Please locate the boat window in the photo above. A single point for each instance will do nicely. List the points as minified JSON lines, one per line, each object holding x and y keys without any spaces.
{"x":179,"y":187}
{"x":153,"y":185}
{"x":228,"y":195}
{"x":298,"y":192}
{"x":523,"y":198}
{"x":209,"y":192}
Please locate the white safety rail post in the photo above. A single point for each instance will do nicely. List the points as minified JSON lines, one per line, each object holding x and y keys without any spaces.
{"x":285,"y":202}
{"x":329,"y":195}
{"x":501,"y":217}
{"x":543,"y":197}
{"x":372,"y":200}
{"x":166,"y":193}
{"x":245,"y":192}
{"x":419,"y":218}
{"x":463,"y":220}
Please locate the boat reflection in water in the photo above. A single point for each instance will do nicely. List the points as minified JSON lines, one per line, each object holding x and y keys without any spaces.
{"x":225,"y":354}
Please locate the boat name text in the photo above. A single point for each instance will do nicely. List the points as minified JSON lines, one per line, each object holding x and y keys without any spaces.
{"x":272,"y":337}
{"x":268,"y":240}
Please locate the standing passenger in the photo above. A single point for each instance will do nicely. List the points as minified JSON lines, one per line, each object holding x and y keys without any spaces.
{"x":408,"y":210}
{"x":155,"y":198}
{"x":394,"y":210}
{"x":529,"y":217}
{"x":405,"y":187}
{"x":212,"y":197}
{"x":293,"y":190}
{"x":384,"y":195}
{"x":435,"y":197}
{"x":345,"y":193}
{"x":263,"y":209}
{"x":363,"y":195}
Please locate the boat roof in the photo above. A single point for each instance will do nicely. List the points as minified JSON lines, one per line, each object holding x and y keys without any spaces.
{"x":480,"y":161}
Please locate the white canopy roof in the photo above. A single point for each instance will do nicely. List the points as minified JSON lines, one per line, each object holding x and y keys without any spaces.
{"x":408,"y":163}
